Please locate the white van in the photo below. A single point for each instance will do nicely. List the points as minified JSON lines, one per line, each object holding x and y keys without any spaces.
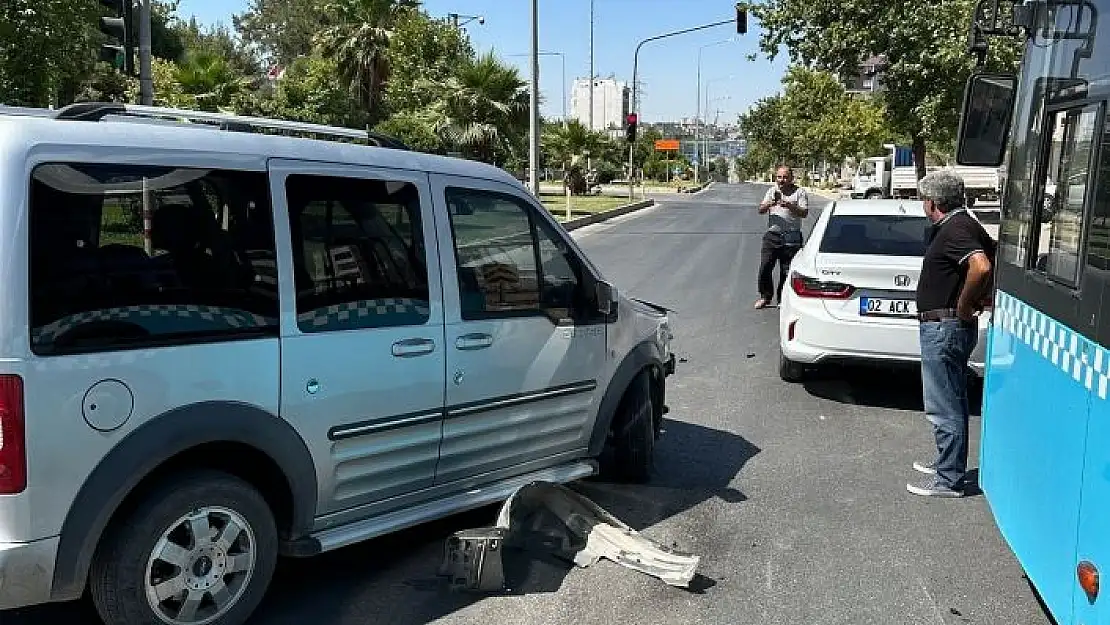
{"x":220,"y":344}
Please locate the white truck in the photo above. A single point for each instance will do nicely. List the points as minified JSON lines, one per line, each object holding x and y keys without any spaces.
{"x":895,"y":176}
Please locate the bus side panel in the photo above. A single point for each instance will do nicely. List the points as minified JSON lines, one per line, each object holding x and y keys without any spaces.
{"x":1094,"y":523}
{"x":1033,"y":439}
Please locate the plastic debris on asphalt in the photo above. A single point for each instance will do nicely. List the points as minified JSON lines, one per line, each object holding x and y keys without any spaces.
{"x":548,"y":517}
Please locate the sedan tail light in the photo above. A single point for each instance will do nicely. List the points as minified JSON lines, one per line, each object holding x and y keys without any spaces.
{"x":811,"y":287}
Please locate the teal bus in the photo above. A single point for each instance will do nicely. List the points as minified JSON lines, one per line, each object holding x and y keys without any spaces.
{"x":1045,"y":443}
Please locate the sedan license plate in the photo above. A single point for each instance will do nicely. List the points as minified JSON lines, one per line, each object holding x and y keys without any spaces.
{"x":879,"y":307}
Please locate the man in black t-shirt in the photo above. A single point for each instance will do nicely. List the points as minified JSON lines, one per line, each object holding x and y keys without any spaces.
{"x":955,"y":283}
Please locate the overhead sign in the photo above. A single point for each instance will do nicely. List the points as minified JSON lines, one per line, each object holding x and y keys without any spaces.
{"x":666,"y":145}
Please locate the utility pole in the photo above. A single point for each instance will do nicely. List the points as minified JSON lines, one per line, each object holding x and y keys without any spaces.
{"x":534,"y":113}
{"x":146,"y":81}
{"x":591,"y":117}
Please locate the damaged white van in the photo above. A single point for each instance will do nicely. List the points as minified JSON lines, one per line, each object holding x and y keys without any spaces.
{"x":220,"y":343}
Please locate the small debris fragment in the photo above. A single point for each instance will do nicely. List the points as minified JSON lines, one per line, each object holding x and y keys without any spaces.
{"x":821,"y":417}
{"x":683,"y":360}
{"x":751,"y":354}
{"x":955,"y":611}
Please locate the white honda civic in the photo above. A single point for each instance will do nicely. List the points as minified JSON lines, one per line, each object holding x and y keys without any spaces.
{"x":851,"y":291}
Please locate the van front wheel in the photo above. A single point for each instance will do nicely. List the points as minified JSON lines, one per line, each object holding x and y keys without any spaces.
{"x":633,"y":436}
{"x":199,"y":549}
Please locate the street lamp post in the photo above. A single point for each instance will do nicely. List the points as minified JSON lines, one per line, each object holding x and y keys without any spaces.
{"x":591,"y":117}
{"x":697,"y":96}
{"x":635,"y":84}
{"x":708,"y":84}
{"x":454,"y":17}
{"x":534,"y":113}
{"x":563,"y":60}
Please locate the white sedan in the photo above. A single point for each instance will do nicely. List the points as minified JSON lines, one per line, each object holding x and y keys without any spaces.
{"x":851,"y":295}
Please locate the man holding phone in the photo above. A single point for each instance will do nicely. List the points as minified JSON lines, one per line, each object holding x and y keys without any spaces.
{"x":785,"y":204}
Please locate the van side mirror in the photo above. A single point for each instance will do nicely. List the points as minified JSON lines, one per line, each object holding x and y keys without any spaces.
{"x":985,"y":120}
{"x":606,"y":296}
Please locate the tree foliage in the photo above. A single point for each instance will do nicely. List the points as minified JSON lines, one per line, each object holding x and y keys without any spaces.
{"x":924,"y":45}
{"x":813,"y":120}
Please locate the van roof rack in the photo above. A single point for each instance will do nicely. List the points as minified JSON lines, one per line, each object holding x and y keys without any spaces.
{"x":97,"y":111}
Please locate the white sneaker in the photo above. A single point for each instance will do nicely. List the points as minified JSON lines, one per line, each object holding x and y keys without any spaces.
{"x":927,"y":469}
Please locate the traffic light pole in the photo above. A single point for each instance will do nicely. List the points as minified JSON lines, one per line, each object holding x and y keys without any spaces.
{"x":741,"y":27}
{"x":146,"y":81}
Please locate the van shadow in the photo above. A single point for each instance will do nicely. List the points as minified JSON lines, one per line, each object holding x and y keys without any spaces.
{"x":393,"y":580}
{"x":894,"y":387}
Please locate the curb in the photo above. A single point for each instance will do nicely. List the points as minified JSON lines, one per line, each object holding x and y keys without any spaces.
{"x":574,"y":224}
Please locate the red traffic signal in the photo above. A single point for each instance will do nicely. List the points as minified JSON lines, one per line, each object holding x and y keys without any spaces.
{"x":631,"y":119}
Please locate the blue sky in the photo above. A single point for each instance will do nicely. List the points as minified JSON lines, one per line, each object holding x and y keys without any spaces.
{"x":668,"y":68}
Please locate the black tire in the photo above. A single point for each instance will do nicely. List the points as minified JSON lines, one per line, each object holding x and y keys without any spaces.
{"x":633,"y":434}
{"x":117,"y":579}
{"x":791,"y":371}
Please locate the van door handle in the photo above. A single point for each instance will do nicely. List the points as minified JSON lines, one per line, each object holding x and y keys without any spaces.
{"x":410,"y":348}
{"x":470,"y":342}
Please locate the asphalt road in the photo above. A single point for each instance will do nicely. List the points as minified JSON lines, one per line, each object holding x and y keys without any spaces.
{"x":793,"y":494}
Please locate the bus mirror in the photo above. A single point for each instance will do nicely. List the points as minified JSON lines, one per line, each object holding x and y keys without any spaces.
{"x":985,"y":121}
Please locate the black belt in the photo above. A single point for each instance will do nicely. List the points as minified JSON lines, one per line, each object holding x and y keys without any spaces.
{"x":939,"y":314}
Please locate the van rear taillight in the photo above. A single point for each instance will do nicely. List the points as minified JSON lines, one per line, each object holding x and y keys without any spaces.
{"x":13,"y":452}
{"x":811,"y":287}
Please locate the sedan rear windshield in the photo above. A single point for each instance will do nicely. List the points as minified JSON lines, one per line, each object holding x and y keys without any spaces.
{"x":882,"y":235}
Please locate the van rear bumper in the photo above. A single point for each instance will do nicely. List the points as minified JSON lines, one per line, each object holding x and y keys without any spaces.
{"x":26,"y":572}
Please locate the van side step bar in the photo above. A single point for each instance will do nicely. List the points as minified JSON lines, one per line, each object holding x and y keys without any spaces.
{"x":359,"y":531}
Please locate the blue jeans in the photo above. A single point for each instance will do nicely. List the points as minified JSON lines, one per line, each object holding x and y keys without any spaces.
{"x":946,"y":347}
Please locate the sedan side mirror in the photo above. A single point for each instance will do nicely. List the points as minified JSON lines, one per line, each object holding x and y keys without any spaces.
{"x":606,"y":296}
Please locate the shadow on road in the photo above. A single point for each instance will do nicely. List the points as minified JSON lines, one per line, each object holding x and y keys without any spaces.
{"x":895,"y":387}
{"x":393,"y":579}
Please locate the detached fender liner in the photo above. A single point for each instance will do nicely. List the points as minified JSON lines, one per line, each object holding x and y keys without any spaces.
{"x":155,"y":442}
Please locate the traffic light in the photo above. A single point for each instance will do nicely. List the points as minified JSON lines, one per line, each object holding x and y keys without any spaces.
{"x":120,"y":47}
{"x":741,"y":18}
{"x":630,"y":130}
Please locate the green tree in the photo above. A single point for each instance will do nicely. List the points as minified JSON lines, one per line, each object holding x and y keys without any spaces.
{"x":421,"y":54}
{"x":208,"y":81}
{"x":309,"y":91}
{"x":47,"y":48}
{"x":483,"y":110}
{"x":281,"y":31}
{"x":220,"y":41}
{"x":360,"y":41}
{"x":925,"y":49}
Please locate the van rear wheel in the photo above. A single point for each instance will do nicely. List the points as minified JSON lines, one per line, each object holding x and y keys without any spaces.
{"x":200,"y":549}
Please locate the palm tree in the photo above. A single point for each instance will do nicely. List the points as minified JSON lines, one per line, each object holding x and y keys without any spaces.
{"x":568,"y":144}
{"x":209,"y":79}
{"x":483,"y":108}
{"x":359,"y":42}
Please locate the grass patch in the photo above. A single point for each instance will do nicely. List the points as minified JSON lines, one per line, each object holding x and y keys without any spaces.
{"x":580,"y":206}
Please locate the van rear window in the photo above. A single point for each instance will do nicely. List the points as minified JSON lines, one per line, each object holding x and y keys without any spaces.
{"x":880,"y":235}
{"x":126,"y":256}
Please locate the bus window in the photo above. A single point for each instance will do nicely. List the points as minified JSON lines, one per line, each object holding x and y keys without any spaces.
{"x":1070,"y":135}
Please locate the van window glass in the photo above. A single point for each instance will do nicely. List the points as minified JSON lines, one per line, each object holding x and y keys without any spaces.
{"x":358,"y":253}
{"x":881,"y":235}
{"x":509,"y":262}
{"x":125,"y":256}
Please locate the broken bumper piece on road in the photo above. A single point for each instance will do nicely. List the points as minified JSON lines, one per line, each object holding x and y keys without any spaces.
{"x":553,"y":518}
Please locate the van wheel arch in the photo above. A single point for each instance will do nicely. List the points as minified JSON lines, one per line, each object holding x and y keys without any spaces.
{"x":644,"y":357}
{"x":245,"y":441}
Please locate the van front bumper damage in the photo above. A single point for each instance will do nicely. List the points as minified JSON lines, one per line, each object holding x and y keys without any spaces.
{"x":557,"y":520}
